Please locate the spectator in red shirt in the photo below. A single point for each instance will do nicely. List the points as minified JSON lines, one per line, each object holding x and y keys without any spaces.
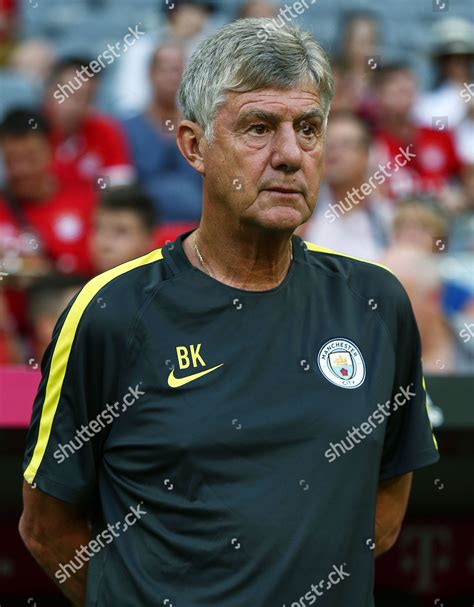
{"x":87,"y":146}
{"x":435,"y":163}
{"x":43,"y":224}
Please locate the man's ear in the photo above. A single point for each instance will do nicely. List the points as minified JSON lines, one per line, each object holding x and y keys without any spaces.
{"x":190,"y":140}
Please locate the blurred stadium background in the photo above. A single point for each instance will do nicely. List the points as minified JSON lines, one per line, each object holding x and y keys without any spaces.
{"x":90,"y":176}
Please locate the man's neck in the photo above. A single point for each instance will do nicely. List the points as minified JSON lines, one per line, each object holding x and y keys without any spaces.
{"x":252,"y":264}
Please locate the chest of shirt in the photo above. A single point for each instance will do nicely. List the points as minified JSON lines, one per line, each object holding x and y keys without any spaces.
{"x":249,"y":376}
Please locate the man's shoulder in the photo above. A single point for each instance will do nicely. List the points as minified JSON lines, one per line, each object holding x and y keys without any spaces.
{"x":373,"y":284}
{"x":337,"y":259}
{"x":366,"y":277}
{"x":109,"y":302}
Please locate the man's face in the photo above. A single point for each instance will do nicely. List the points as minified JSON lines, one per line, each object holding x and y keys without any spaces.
{"x":69,"y":115}
{"x":347,"y":153}
{"x":266,"y":141}
{"x":456,"y":67}
{"x":415,"y":230}
{"x":27,"y":160}
{"x":361,"y":39}
{"x":397,"y":94}
{"x":166,"y":73}
{"x":187,"y":19}
{"x":117,"y":236}
{"x":259,"y":8}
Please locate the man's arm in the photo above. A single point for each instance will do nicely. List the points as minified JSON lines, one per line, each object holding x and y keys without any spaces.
{"x":52,"y":530}
{"x":392,"y":501}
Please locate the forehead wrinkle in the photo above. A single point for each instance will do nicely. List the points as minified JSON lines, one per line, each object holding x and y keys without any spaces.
{"x":277,"y":95}
{"x":275,"y":117}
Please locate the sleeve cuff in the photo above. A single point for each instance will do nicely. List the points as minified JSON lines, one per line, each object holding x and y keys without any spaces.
{"x":425,"y":458}
{"x":59,"y":491}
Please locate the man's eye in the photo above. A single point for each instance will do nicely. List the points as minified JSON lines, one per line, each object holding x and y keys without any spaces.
{"x":309,"y":130}
{"x":258,"y":129}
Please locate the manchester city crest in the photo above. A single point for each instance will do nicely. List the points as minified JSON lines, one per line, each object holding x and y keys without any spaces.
{"x":341,"y":362}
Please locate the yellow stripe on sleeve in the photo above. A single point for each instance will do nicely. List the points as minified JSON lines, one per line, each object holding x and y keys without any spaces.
{"x":427,"y":413}
{"x":314,"y":247}
{"x":63,"y":348}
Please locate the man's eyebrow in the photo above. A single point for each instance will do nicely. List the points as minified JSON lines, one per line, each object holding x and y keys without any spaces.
{"x":315,"y":113}
{"x":273,"y":118}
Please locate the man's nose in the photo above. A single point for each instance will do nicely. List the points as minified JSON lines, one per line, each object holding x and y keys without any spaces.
{"x":286,"y":153}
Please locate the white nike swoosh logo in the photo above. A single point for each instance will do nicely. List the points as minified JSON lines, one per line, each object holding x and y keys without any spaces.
{"x":176,"y":382}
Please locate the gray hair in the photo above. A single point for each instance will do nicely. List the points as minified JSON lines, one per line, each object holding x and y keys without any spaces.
{"x":246,"y":55}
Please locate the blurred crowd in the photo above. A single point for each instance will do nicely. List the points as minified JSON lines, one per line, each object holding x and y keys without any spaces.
{"x":84,"y":190}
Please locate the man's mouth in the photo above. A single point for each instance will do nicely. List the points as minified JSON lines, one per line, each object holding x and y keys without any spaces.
{"x":284,"y":190}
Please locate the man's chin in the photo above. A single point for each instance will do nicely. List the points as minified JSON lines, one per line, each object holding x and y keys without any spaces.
{"x":280,"y":218}
{"x":283,"y":223}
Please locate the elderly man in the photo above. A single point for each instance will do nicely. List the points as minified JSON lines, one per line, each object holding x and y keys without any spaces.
{"x":254,"y":405}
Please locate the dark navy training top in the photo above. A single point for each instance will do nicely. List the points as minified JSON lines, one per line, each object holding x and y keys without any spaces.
{"x":229,"y":443}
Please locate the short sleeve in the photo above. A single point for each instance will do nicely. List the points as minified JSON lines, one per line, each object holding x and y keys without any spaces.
{"x":409,"y":441}
{"x":65,"y":439}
